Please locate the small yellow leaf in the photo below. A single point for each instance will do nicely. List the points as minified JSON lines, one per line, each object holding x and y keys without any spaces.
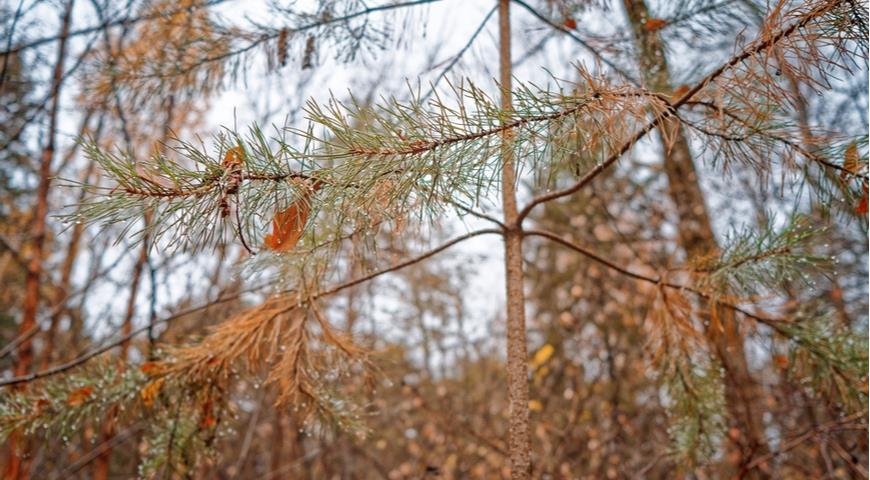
{"x":541,"y":373}
{"x":542,"y":355}
{"x":535,"y":405}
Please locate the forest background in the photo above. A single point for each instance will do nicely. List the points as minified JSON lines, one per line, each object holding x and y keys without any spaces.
{"x":699,"y":311}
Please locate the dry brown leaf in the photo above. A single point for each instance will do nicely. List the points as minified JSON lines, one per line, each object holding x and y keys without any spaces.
{"x":208,"y":420}
{"x":862,"y":209}
{"x":149,"y":392}
{"x":679,"y":92}
{"x":40,"y":405}
{"x":288,"y":225}
{"x":282,"y":47}
{"x":851,"y":160}
{"x":151,"y":368}
{"x":79,"y":396}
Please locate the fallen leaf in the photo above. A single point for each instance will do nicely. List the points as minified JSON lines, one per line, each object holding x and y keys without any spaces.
{"x":654,"y":24}
{"x":79,"y":396}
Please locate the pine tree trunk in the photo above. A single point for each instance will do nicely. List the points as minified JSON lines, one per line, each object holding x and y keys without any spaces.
{"x":517,"y":356}
{"x":696,"y":236}
{"x":17,"y":466}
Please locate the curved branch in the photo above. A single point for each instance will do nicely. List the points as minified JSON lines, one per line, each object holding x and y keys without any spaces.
{"x":774,"y":323}
{"x":762,"y":44}
{"x":105,"y":348}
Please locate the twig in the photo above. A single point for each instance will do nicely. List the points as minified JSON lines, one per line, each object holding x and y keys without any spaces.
{"x":461,"y":52}
{"x":577,"y":39}
{"x":11,"y":346}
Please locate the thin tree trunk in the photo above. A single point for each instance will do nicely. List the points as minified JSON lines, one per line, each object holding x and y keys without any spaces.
{"x":17,"y":466}
{"x":742,"y":393}
{"x":517,"y":356}
{"x":72,"y":253}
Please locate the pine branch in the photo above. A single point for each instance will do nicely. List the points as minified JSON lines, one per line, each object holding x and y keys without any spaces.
{"x":82,"y":359}
{"x":760,"y":45}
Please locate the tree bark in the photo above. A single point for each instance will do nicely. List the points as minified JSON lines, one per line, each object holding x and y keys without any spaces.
{"x":742,"y":392}
{"x":517,"y":356}
{"x":17,"y":466}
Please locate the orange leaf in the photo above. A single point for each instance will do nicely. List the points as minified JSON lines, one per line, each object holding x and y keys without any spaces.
{"x":570,"y":23}
{"x":150,"y":368}
{"x":233,"y":157}
{"x":862,"y":207}
{"x":79,"y":396}
{"x":288,"y":225}
{"x":150,"y":391}
{"x":680,"y":91}
{"x":207,"y":419}
{"x":654,"y":24}
{"x":781,"y":360}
